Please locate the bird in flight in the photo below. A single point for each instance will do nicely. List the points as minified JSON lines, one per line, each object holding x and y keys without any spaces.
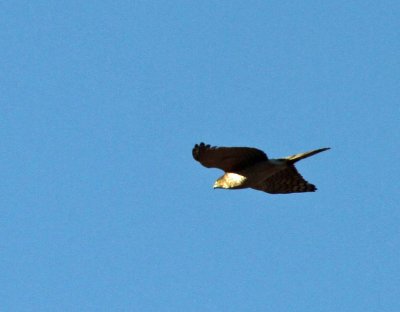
{"x":247,"y":167}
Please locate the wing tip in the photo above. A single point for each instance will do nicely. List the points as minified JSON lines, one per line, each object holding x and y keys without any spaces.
{"x":197,"y":149}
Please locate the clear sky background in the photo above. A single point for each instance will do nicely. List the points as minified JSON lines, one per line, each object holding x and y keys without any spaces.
{"x":103,"y":207}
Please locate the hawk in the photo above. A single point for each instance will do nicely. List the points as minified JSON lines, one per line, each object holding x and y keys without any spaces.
{"x":247,"y":167}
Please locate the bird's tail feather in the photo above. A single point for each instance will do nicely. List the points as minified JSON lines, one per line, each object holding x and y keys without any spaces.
{"x":295,"y":158}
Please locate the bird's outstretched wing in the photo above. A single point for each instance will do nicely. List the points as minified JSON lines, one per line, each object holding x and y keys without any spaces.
{"x":286,"y":181}
{"x":229,"y":159}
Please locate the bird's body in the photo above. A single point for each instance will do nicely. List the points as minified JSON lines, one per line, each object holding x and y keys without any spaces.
{"x":251,"y":176}
{"x":247,"y":167}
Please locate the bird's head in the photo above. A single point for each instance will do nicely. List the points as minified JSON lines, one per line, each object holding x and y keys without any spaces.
{"x":230,"y":180}
{"x":220,"y":183}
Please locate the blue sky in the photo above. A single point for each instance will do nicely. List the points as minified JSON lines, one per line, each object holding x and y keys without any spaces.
{"x":103,"y":207}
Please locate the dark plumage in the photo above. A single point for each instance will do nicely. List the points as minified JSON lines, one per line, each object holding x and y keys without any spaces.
{"x":247,"y":167}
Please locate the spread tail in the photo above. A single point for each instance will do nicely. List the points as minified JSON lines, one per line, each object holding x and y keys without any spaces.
{"x":295,"y":158}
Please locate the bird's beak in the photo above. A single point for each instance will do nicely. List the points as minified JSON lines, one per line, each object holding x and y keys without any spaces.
{"x":215,"y":185}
